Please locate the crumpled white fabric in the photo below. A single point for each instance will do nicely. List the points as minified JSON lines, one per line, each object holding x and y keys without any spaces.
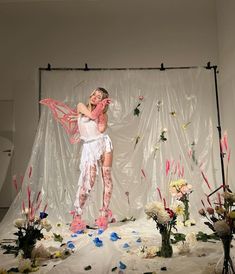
{"x":138,"y":169}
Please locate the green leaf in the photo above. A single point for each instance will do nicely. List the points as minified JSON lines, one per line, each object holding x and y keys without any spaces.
{"x":58,"y":238}
{"x":177,"y":237}
{"x":136,"y":111}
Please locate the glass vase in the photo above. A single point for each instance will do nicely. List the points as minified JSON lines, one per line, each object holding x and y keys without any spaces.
{"x":225,"y":264}
{"x":186,"y":215}
{"x":166,"y":248}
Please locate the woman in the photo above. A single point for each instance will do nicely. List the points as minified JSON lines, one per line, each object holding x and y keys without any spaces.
{"x":97,"y":151}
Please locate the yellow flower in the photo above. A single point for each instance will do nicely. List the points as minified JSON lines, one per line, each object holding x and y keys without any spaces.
{"x":57,"y":254}
{"x":178,"y":207}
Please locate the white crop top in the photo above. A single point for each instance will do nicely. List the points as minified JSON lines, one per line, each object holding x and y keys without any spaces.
{"x":88,"y":129}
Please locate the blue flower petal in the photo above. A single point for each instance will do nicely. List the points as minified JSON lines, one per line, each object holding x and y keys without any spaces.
{"x":74,"y":235}
{"x":122,"y":265}
{"x":139,"y":240}
{"x":126,"y":245}
{"x":100,"y":231}
{"x":43,"y":215}
{"x":80,"y":232}
{"x":98,"y":242}
{"x":114,"y":236}
{"x":90,"y":235}
{"x":71,"y":245}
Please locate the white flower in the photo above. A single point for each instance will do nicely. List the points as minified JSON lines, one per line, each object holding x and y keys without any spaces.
{"x":164,"y":129}
{"x":222,"y":228}
{"x":40,"y":252}
{"x":188,"y":223}
{"x":151,"y":252}
{"x":45,"y":224}
{"x":24,"y":265}
{"x":163,"y":216}
{"x":191,"y":238}
{"x":153,"y":208}
{"x":19,"y":223}
{"x":179,"y":223}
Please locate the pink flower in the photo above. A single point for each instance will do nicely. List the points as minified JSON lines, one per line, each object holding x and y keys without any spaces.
{"x":141,"y":97}
{"x":179,"y":195}
{"x":184,"y":189}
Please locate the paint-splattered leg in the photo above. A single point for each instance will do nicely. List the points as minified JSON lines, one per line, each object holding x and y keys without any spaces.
{"x":82,"y":195}
{"x":106,"y":213}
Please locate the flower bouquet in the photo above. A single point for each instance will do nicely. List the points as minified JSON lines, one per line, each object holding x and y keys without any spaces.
{"x":30,"y":230}
{"x":221,"y":220}
{"x":181,"y":190}
{"x":30,"y":224}
{"x":165,"y":219}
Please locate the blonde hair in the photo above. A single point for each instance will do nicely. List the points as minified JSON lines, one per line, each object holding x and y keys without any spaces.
{"x":104,"y":94}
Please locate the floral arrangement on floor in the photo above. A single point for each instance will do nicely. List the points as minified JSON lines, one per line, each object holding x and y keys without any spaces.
{"x":165,"y":219}
{"x":221,"y":220}
{"x":221,"y":216}
{"x":30,"y":227}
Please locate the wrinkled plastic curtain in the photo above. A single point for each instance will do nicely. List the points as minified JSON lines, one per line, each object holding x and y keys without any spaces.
{"x":182,"y":101}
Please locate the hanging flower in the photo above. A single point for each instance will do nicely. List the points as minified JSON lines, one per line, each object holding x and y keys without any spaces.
{"x":137,"y":110}
{"x":163,"y":137}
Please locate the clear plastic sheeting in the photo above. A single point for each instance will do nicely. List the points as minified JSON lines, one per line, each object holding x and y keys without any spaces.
{"x":181,"y":101}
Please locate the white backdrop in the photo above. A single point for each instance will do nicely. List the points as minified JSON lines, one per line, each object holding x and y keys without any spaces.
{"x":139,"y":169}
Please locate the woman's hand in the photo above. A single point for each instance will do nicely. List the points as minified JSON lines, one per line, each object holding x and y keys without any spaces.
{"x":105,"y":102}
{"x":72,"y":117}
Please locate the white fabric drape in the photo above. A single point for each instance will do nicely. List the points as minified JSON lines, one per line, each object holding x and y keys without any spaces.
{"x":180,"y":100}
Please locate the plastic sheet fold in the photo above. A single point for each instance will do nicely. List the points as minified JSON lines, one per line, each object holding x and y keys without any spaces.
{"x":179,"y":104}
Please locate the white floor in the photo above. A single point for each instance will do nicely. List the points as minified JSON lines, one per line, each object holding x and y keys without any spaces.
{"x":203,"y":257}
